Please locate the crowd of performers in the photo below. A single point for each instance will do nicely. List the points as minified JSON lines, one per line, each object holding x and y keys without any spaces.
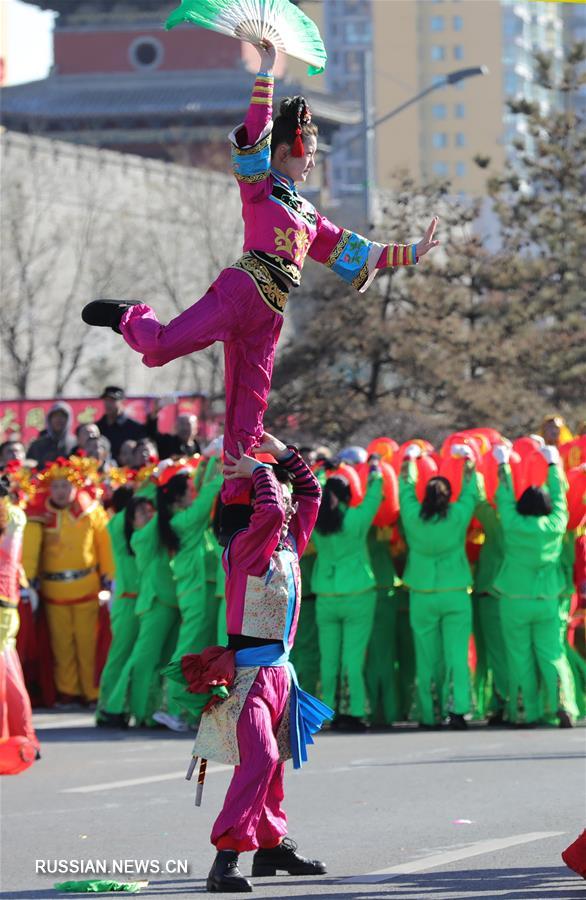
{"x":437,"y":586}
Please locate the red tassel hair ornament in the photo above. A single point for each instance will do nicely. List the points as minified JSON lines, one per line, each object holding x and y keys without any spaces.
{"x":298,"y":148}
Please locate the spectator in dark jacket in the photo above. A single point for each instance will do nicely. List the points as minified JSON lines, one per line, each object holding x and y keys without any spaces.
{"x":57,"y":439}
{"x":183,"y":443}
{"x":115,"y":424}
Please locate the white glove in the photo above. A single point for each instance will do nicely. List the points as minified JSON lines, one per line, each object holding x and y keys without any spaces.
{"x":551,"y":455}
{"x":501,"y":453}
{"x":163,"y":465}
{"x":215,"y":447}
{"x":462,"y":450}
{"x":29,"y":595}
{"x":538,"y":440}
{"x":413,"y":451}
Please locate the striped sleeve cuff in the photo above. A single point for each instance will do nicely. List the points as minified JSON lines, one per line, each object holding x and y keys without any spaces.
{"x":265,"y":485}
{"x":262,"y":92}
{"x":305,"y":483}
{"x":399,"y":255}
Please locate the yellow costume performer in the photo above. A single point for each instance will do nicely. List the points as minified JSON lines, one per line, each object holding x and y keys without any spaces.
{"x":67,"y":549}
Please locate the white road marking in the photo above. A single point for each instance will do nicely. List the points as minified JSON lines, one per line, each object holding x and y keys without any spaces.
{"x":442,"y":859}
{"x":131,"y":782}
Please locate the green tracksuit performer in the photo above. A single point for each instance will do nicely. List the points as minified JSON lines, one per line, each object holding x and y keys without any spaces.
{"x":138,"y":691}
{"x":345,"y":589}
{"x":530,"y":582}
{"x":123,"y":618}
{"x":576,"y":662}
{"x":199,"y":617}
{"x":487,"y":609}
{"x":381,"y":674}
{"x":305,"y":654}
{"x":439,"y":579}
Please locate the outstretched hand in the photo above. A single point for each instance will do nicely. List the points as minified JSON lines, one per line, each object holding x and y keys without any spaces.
{"x":272,"y":445}
{"x":238,"y":466}
{"x":427,"y":242}
{"x":268,"y":56}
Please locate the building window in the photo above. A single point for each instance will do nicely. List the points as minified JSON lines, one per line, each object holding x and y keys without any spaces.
{"x":460,"y":169}
{"x":459,"y":110}
{"x":146,"y":53}
{"x":458,"y":51}
{"x":438,"y":110}
{"x":438,"y":52}
{"x":457,"y":21}
{"x":437,"y":23}
{"x":460,"y":139}
{"x":440,"y":169}
{"x":439,"y":140}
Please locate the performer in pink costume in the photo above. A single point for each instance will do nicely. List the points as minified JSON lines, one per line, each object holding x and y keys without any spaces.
{"x":267,"y":717}
{"x":244,"y":307}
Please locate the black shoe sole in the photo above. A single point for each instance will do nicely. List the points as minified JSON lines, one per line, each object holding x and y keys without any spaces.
{"x":106,"y":313}
{"x":213,"y":887}
{"x":267,"y":871}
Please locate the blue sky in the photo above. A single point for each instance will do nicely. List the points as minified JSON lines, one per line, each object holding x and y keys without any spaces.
{"x":29,"y":46}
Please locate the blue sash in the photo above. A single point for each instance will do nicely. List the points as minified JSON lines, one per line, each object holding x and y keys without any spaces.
{"x":306,"y":713}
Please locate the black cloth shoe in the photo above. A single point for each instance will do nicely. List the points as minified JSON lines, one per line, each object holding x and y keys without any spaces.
{"x":285,"y":858}
{"x":106,"y":313}
{"x":457,"y":722}
{"x":111,"y":720}
{"x":496,"y":719}
{"x":564,"y":720}
{"x":225,"y":876}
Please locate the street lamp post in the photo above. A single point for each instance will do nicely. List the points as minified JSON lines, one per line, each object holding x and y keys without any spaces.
{"x":369,"y":126}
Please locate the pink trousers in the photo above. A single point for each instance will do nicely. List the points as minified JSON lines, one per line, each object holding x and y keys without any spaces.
{"x":252,"y":816}
{"x":233,"y":312}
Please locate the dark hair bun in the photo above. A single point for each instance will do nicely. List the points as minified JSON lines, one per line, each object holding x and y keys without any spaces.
{"x":296,"y":110}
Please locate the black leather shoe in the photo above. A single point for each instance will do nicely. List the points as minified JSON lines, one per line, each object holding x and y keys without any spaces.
{"x":285,"y":858}
{"x":457,"y":722}
{"x":225,"y":876}
{"x":106,"y":313}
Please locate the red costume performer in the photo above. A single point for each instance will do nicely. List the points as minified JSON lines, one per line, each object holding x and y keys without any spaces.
{"x":18,"y":742}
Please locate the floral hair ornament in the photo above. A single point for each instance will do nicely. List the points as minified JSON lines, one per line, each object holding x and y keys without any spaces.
{"x":79,"y":471}
{"x":21,"y":482}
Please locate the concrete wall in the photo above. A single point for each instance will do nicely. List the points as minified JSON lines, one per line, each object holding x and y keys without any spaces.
{"x":80,"y":223}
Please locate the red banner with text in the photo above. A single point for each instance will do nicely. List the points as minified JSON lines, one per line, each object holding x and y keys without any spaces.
{"x":24,"y":419}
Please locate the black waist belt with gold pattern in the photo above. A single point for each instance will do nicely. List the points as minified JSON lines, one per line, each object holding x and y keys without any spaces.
{"x":68,"y":574}
{"x":273,"y":289}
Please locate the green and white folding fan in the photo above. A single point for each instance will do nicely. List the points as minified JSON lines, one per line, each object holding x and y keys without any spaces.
{"x":278,"y":21}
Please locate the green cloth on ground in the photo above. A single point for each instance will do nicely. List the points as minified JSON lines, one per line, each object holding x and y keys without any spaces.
{"x":99,"y":887}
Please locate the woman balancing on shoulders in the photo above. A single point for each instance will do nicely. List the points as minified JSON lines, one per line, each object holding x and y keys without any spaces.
{"x":244,"y":307}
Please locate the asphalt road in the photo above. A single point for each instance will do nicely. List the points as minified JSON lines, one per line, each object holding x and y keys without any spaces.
{"x":399,"y":814}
